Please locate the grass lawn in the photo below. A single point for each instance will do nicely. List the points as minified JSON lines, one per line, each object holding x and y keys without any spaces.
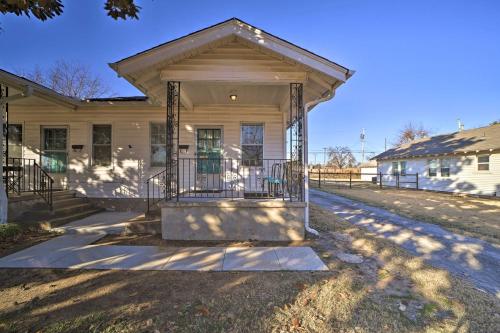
{"x":476,"y":217}
{"x":391,"y":291}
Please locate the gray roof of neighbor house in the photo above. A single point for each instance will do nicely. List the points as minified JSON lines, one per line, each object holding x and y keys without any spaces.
{"x":474,"y":140}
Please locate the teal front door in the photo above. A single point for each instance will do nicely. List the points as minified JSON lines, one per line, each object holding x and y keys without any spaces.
{"x":208,"y":151}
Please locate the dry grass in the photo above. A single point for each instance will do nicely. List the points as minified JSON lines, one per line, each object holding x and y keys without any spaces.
{"x":476,"y":217}
{"x":348,"y":298}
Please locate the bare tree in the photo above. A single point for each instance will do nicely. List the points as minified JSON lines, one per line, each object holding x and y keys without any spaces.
{"x":70,"y":79}
{"x":341,"y":157}
{"x":411,"y":132}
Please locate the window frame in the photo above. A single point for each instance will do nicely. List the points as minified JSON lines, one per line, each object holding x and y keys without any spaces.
{"x":151,"y":144}
{"x":441,"y":167}
{"x":483,"y":163}
{"x":21,"y":144}
{"x":245,"y":162}
{"x":63,"y":170}
{"x":92,"y":145}
{"x":395,"y":170}
{"x":429,"y":168}
{"x":207,"y":165}
{"x":402,"y":172}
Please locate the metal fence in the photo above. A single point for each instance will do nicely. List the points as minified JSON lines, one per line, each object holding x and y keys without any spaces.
{"x":358,"y":179}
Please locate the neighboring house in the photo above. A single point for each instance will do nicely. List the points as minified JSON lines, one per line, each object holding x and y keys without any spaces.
{"x":219,"y":140}
{"x":368,"y":170}
{"x":467,"y":161}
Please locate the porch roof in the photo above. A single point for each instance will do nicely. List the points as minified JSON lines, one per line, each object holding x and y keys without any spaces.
{"x":149,"y":69}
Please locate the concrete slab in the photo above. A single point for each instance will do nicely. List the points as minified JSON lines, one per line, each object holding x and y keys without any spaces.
{"x":299,"y":259}
{"x":251,"y":259}
{"x":142,"y":257}
{"x":89,"y":257}
{"x":42,"y":255}
{"x":196,"y":259}
{"x":108,"y":222}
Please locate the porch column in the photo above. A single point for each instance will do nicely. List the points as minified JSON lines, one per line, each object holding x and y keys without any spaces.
{"x":297,"y":137}
{"x":3,"y":152}
{"x":172,"y":140}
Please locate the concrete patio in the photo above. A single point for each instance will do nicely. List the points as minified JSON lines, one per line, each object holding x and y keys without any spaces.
{"x":75,"y":250}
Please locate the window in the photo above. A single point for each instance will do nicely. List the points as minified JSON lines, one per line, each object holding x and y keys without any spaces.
{"x":432,"y":168}
{"x":395,"y":168}
{"x":54,"y":155}
{"x":158,"y":144}
{"x":15,"y":141}
{"x":252,"y":145}
{"x":101,"y":145}
{"x":445,"y":167}
{"x":208,"y":150}
{"x":402,"y":168}
{"x":483,"y":162}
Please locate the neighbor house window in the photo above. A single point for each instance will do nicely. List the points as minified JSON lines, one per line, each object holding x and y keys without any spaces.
{"x":252,"y":144}
{"x":54,"y":144}
{"x":395,"y":168}
{"x":432,"y":168}
{"x":483,"y":162}
{"x":445,"y":167}
{"x":101,"y":145}
{"x":402,"y":168}
{"x":158,"y":144}
{"x":15,"y":141}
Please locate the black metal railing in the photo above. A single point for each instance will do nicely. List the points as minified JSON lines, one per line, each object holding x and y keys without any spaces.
{"x":25,"y":175}
{"x":230,"y":178}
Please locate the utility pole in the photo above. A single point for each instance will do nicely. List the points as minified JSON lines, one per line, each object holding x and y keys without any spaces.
{"x":362,"y":137}
{"x":385,"y":144}
{"x":324,"y":155}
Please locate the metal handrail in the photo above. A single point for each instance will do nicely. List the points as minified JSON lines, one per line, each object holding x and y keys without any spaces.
{"x":43,"y":184}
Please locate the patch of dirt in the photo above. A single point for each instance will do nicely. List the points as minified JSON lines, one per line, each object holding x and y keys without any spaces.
{"x":26,"y":238}
{"x":470,"y":216}
{"x":390,"y":291}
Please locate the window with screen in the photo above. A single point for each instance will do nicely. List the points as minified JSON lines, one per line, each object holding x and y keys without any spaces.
{"x":252,"y":144}
{"x":101,"y":145}
{"x":54,"y":155}
{"x":158,"y":144}
{"x":483,"y":162}
{"x":15,"y":139}
{"x":395,"y":168}
{"x":445,"y":167}
{"x":402,"y":168}
{"x":432,"y":171}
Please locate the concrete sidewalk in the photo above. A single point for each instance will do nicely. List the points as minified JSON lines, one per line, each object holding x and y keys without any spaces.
{"x":472,"y":258}
{"x":75,"y":250}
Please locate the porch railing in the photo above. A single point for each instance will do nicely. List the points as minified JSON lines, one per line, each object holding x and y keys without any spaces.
{"x":204,"y":178}
{"x":25,"y":175}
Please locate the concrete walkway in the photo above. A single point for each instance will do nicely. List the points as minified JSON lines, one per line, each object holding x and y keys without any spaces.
{"x":75,"y":250}
{"x":477,"y":260}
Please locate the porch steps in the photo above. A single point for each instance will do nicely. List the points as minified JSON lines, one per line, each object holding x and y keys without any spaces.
{"x":67,"y":207}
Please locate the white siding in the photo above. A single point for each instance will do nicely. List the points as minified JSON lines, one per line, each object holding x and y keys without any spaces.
{"x":130,"y":126}
{"x":464,"y":175}
{"x":367,"y":173}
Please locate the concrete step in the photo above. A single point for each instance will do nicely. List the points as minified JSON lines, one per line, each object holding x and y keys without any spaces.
{"x":65,"y":202}
{"x":71,"y":209}
{"x":51,"y":223}
{"x":63,"y":194}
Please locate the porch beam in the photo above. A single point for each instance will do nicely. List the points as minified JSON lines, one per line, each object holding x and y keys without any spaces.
{"x":234,"y":76}
{"x":186,"y":100}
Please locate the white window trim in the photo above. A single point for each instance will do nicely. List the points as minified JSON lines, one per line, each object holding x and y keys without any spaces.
{"x":91,"y":139}
{"x":42,"y":149}
{"x":481,"y":163}
{"x":263,"y":139}
{"x":22,"y":136}
{"x":429,"y":163}
{"x":151,"y":123}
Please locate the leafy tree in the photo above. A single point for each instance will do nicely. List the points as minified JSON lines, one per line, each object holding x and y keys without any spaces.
{"x":341,"y":157}
{"x":48,"y":9}
{"x":411,"y":132}
{"x":70,"y":79}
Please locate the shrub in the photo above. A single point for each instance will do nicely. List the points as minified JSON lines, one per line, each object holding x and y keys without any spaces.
{"x":9,"y":230}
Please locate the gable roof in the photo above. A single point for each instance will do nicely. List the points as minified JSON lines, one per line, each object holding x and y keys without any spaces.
{"x":231,"y":27}
{"x":474,"y":140}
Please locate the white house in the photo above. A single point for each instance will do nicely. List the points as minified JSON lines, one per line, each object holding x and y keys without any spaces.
{"x":219,"y":139}
{"x":368,"y":170}
{"x":467,"y":161}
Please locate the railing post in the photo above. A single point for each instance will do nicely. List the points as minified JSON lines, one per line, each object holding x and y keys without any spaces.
{"x":397,"y":180}
{"x":319,"y":179}
{"x":416,"y":179}
{"x":350,"y":178}
{"x":380,"y":179}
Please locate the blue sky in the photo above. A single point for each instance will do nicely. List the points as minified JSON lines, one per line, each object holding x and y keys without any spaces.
{"x":429,"y":62}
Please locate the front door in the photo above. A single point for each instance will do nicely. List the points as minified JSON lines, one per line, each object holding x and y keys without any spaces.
{"x":54,"y":157}
{"x":208,"y":159}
